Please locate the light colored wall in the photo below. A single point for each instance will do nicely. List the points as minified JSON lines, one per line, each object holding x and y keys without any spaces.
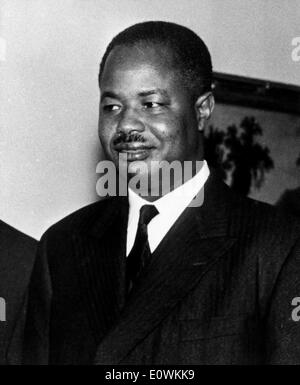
{"x":49,"y":95}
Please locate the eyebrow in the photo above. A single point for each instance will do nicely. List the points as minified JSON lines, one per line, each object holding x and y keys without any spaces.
{"x":153,"y":92}
{"x":110,"y":94}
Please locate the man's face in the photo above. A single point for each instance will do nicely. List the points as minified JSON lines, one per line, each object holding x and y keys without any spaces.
{"x":145,"y":112}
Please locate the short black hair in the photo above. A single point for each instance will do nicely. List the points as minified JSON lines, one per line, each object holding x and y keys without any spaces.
{"x":190,"y":54}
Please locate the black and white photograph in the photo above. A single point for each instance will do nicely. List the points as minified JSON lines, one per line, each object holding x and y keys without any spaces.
{"x":149,"y":185}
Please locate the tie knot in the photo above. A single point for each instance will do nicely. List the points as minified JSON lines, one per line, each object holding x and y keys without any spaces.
{"x":147,"y":212}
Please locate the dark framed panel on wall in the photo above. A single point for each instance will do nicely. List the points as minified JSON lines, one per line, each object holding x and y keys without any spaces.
{"x":255,"y":93}
{"x":256,"y":129}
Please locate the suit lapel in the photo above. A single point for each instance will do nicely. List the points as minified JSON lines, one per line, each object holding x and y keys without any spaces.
{"x":100,"y":255}
{"x":192,"y":246}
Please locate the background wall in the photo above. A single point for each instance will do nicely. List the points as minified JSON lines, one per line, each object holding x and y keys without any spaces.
{"x":48,"y":85}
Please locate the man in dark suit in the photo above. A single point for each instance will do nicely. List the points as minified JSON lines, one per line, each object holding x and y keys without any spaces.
{"x":17,"y":252}
{"x":191,"y":275}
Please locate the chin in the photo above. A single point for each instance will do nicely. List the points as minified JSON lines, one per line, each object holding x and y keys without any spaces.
{"x":139,"y":169}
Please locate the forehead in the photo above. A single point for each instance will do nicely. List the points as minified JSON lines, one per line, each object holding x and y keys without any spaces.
{"x":141,"y":62}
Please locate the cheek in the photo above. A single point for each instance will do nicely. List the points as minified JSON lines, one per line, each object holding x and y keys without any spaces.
{"x":178,"y":139}
{"x":105,"y":131}
{"x":105,"y":142}
{"x":168,"y":131}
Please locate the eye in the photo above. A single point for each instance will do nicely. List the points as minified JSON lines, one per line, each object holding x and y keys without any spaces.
{"x":111,"y":107}
{"x":152,"y":105}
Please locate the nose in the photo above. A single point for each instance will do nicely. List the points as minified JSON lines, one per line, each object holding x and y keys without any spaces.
{"x":129,"y":121}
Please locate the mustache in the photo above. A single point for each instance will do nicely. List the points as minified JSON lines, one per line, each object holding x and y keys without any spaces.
{"x":129,"y":138}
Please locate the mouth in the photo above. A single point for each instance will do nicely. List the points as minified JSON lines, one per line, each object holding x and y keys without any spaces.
{"x":134,"y":151}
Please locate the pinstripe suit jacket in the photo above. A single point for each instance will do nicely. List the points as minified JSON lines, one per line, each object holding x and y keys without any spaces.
{"x":17,"y":252}
{"x":218,"y":290}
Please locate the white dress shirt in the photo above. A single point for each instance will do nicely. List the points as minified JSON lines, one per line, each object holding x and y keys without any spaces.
{"x":169,"y":206}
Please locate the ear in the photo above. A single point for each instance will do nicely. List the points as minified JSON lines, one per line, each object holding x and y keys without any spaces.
{"x":204,"y":106}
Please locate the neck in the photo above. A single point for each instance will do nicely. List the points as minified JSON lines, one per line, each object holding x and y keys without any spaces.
{"x":156,"y":185}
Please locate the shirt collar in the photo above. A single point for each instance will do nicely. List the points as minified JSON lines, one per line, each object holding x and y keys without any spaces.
{"x":173,"y":203}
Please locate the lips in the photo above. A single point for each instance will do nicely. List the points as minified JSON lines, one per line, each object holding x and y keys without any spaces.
{"x":134,"y":151}
{"x":131,"y":147}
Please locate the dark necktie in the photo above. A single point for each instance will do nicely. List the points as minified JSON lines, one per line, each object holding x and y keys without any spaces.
{"x":140,"y":252}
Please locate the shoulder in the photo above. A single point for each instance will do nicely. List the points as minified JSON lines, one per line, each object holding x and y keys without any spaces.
{"x":83,"y":219}
{"x":17,"y":255}
{"x":249,"y":218}
{"x":266,"y":241}
{"x":262,"y":230}
{"x":10,"y":238}
{"x":268,"y":236}
{"x":266,"y":221}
